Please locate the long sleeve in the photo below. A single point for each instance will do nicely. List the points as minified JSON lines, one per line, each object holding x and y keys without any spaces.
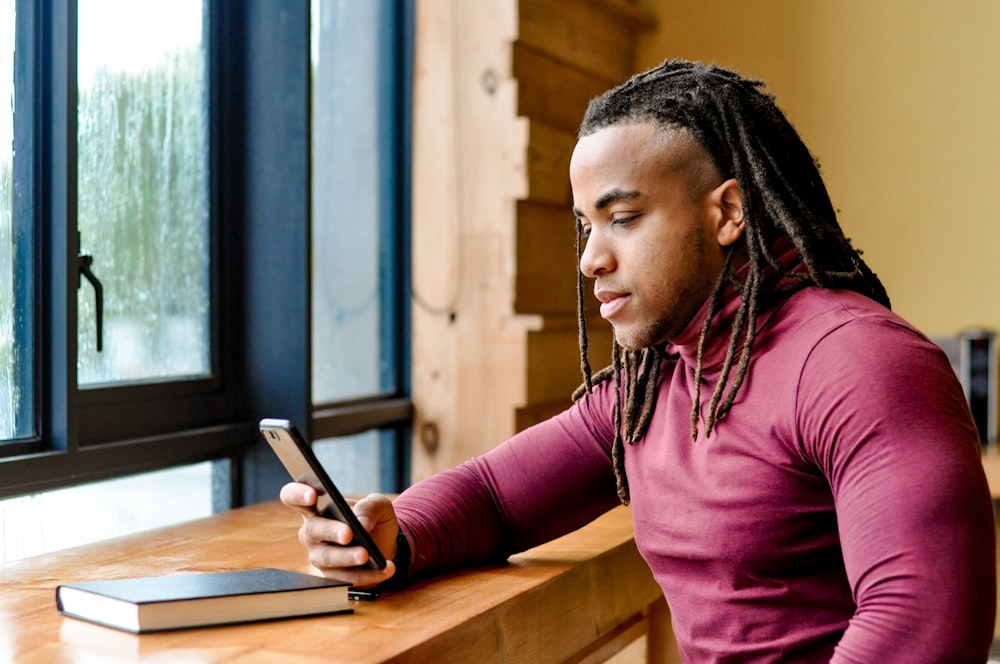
{"x":913,"y":509}
{"x":546,"y":481}
{"x":838,"y":512}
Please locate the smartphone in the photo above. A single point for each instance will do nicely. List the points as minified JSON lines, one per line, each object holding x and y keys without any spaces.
{"x":301,"y":463}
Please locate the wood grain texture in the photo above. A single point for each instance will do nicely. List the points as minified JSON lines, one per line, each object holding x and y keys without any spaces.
{"x":499,"y":92}
{"x":588,"y":592}
{"x":469,"y":148}
{"x":549,"y":151}
{"x":596,"y":37}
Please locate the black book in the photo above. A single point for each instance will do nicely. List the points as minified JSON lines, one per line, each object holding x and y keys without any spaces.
{"x":178,"y":601}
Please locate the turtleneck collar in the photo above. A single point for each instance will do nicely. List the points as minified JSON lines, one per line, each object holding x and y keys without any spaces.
{"x":717,"y":339}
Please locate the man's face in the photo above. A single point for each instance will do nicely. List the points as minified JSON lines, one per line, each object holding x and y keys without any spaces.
{"x":654,"y":210}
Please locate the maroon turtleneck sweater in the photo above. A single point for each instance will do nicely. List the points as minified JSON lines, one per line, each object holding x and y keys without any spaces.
{"x":838,"y":512}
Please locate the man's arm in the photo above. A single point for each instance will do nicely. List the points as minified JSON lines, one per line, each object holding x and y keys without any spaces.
{"x":545,"y":482}
{"x":891,"y":431}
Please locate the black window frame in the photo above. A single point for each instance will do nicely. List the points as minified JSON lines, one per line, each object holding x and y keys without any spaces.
{"x":259,"y":108}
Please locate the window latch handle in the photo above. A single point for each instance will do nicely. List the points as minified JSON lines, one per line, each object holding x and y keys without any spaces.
{"x":84,"y":263}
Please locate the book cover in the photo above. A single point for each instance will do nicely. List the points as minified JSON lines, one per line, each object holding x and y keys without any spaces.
{"x":179,"y":601}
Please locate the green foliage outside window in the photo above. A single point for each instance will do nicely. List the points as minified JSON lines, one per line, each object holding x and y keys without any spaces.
{"x":143,"y":215}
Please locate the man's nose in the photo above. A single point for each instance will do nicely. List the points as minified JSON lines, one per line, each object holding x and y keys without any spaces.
{"x":597,"y":258}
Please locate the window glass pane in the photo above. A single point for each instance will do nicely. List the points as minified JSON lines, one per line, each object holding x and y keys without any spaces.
{"x":142,"y":208}
{"x":352,"y":462}
{"x":350,"y":357}
{"x":62,"y":518}
{"x":15,"y":403}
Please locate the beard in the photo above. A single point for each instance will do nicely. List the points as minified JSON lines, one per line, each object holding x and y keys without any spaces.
{"x":646,"y":334}
{"x":663,"y":326}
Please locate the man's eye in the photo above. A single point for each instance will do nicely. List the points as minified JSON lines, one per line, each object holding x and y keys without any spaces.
{"x":624,"y":221}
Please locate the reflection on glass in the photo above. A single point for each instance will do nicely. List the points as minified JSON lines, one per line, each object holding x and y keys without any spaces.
{"x":349,"y":358}
{"x":61,"y":518}
{"x":14,"y":413}
{"x":352,"y":462}
{"x":142,"y":208}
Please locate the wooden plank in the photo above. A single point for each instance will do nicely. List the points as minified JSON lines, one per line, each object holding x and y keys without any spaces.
{"x":553,"y":365}
{"x":534,"y":413}
{"x":661,"y":643}
{"x":552,"y":92}
{"x":468,"y":170}
{"x":549,"y":152}
{"x":630,"y":12}
{"x":547,"y":263}
{"x":470,"y":364}
{"x":991,"y":466}
{"x":613,"y":643}
{"x":594,"y":37}
{"x":546,"y":260}
{"x":554,"y":361}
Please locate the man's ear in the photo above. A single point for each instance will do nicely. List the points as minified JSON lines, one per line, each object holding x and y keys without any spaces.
{"x":728,"y":199}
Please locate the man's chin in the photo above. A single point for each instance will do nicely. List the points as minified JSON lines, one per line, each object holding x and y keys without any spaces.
{"x":631,"y":340}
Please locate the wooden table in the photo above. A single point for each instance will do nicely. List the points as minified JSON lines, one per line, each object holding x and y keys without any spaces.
{"x":991,"y":464}
{"x":580,"y":598}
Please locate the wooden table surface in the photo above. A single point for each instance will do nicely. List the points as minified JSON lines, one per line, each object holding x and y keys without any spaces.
{"x":578,"y":598}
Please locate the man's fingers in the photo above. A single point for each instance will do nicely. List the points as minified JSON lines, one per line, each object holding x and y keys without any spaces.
{"x":330,"y":543}
{"x":300,"y":497}
{"x":327,"y":556}
{"x":317,"y":530}
{"x":359,"y":577}
{"x":374,"y":509}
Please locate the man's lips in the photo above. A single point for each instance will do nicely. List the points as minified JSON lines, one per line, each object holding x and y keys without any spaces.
{"x":611,"y":302}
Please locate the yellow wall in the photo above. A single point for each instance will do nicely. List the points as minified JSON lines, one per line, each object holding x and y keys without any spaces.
{"x":900,"y":102}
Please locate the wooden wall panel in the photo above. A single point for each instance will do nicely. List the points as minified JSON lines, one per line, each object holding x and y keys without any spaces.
{"x":469,"y":148}
{"x":566,"y":54}
{"x":549,"y":151}
{"x":545,"y":282}
{"x":593,"y":36}
{"x":552,"y":92}
{"x":553,"y":364}
{"x":500,"y":87}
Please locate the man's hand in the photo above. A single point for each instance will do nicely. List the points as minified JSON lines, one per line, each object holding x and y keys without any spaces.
{"x":328,"y":542}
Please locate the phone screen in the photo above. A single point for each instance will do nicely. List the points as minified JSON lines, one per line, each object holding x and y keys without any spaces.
{"x":302,"y":465}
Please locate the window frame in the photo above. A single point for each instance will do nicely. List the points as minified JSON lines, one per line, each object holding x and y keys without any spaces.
{"x":258,"y":112}
{"x":391,"y":410}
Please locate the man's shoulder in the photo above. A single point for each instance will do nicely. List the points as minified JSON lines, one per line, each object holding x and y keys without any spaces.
{"x":821,"y":310}
{"x":830,"y":331}
{"x":845,"y":324}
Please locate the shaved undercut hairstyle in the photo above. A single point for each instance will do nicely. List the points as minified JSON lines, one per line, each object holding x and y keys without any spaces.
{"x":748,"y":138}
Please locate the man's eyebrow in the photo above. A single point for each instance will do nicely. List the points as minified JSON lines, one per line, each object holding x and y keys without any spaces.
{"x":609,"y":198}
{"x":615,"y":195}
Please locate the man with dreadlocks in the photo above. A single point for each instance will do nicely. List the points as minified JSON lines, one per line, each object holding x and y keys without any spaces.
{"x":802,"y":467}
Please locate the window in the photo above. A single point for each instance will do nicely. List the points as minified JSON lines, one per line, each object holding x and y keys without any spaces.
{"x":15,"y":306}
{"x":142,"y":208}
{"x":358,"y":333}
{"x":159,"y":250}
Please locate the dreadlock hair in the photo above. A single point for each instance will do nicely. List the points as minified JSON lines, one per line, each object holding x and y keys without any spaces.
{"x":748,"y":138}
